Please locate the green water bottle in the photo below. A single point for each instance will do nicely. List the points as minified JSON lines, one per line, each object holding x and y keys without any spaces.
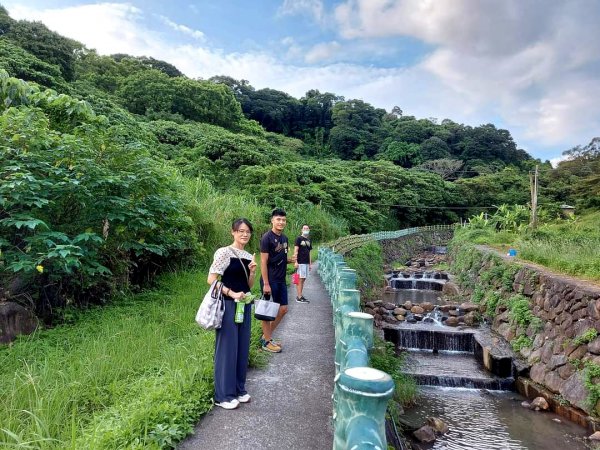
{"x":239,"y":312}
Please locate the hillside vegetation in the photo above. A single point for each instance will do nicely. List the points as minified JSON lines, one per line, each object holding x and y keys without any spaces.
{"x":570,"y":246}
{"x":126,"y":168}
{"x":115,"y":169}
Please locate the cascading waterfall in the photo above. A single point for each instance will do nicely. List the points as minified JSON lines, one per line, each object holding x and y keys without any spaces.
{"x":433,"y":281}
{"x":483,"y":413}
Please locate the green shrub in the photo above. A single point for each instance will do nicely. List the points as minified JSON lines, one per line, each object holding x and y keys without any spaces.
{"x":383,"y":357}
{"x":478,"y":295}
{"x":591,"y":376}
{"x":85,"y":209}
{"x":587,"y":336}
{"x":520,"y":342}
{"x":519,"y":308}
{"x":367,"y":260}
{"x":491,"y":302}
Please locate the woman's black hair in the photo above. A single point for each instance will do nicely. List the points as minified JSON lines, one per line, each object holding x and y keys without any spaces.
{"x":237,"y":222}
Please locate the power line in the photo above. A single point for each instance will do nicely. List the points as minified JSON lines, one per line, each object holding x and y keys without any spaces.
{"x":433,"y":207}
{"x":442,"y":207}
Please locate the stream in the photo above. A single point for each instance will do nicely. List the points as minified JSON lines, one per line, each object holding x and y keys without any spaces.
{"x":481,"y":409}
{"x":492,"y":420}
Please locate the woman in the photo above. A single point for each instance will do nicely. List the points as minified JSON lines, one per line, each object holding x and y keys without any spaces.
{"x":237,"y":269}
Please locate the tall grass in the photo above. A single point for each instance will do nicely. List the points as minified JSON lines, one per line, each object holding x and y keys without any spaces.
{"x":571,"y":247}
{"x":213,"y":211}
{"x":134,"y":375}
{"x":367,"y":260}
{"x":567,"y":254}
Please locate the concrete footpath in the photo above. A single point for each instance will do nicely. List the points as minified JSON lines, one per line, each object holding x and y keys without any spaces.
{"x":291,"y":404}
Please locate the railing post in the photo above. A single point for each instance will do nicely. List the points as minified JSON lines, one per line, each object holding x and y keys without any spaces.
{"x":360,"y":419}
{"x":349,"y":300}
{"x":345,"y":278}
{"x":356,"y":339}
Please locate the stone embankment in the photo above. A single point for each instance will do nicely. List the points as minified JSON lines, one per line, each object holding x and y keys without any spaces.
{"x":560,"y":342}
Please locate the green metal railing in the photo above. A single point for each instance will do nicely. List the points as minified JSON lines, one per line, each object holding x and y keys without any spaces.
{"x":347,"y":243}
{"x":361,"y":393}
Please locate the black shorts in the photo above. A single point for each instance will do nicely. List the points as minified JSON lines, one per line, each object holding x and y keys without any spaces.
{"x":279,"y":291}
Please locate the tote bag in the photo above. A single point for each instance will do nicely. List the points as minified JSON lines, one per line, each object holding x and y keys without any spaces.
{"x":210,"y":313}
{"x":265,"y":309}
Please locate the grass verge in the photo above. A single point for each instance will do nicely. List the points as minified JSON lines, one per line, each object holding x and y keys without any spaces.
{"x":137,"y":374}
{"x":568,"y":247}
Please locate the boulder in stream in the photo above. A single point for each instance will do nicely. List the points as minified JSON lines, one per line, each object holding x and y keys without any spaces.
{"x":427,"y":306}
{"x":438,"y":425}
{"x":425,"y":434}
{"x":400,"y":311}
{"x":452,"y":321}
{"x":417,"y":310}
{"x":539,"y":403}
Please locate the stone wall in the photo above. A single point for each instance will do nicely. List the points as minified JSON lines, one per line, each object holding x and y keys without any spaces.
{"x":406,"y":247}
{"x":561,"y":342}
{"x":15,"y":320}
{"x":569,"y":309}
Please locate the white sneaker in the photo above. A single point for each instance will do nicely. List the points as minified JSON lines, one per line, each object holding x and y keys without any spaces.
{"x":244,"y":398}
{"x":232,"y":404}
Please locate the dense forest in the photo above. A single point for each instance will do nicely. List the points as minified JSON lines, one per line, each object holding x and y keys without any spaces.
{"x":114,"y":168}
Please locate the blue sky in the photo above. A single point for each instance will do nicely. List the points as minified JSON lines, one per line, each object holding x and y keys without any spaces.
{"x":530,"y":66}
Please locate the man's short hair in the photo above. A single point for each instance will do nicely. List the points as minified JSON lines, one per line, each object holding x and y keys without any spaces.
{"x":278,"y":212}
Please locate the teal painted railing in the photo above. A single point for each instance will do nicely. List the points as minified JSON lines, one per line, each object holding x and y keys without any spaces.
{"x":347,"y":243}
{"x":361,"y":393}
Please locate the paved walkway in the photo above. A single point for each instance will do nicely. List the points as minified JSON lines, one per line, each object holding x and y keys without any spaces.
{"x":291,"y":403}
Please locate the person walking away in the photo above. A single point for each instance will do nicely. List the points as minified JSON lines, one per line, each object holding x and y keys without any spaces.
{"x":236,"y":269}
{"x":303,"y":264}
{"x":273,"y":263}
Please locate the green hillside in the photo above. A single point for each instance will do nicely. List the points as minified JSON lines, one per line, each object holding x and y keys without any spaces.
{"x":116,"y":168}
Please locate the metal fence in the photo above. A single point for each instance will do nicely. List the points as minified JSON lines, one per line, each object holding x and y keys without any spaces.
{"x":361,"y":393}
{"x":347,"y":243}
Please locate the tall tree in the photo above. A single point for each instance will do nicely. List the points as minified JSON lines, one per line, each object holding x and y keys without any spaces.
{"x":47,"y":45}
{"x":354,"y":135}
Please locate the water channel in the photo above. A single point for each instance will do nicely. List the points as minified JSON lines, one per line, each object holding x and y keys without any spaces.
{"x":481,"y":409}
{"x":492,"y":420}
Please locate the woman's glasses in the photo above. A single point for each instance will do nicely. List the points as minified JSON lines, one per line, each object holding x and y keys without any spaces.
{"x":244,"y":232}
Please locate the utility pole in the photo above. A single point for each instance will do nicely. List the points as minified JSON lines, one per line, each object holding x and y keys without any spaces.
{"x":533,"y":181}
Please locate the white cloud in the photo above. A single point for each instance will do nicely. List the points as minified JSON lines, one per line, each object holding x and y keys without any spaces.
{"x":534,"y":64}
{"x":499,"y":26}
{"x":312,"y":8}
{"x":555,"y":161}
{"x":107,"y":27}
{"x":182,"y":28}
{"x":322,"y":52}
